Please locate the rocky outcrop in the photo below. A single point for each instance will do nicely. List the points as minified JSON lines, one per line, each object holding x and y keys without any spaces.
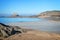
{"x":6,"y":31}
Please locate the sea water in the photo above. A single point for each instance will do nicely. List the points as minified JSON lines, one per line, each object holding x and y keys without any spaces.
{"x":33,"y":23}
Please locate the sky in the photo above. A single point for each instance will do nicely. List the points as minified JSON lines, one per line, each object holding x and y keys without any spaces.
{"x":27,"y":7}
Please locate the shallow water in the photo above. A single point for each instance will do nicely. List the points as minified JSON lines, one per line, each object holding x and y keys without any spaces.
{"x":8,"y":20}
{"x":33,"y":23}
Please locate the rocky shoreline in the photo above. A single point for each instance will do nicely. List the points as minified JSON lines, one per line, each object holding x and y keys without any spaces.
{"x":16,"y":33}
{"x":6,"y":30}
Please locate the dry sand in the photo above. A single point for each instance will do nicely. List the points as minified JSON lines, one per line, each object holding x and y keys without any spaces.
{"x":34,"y":35}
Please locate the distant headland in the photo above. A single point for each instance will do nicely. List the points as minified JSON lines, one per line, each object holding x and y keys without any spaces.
{"x":54,"y":13}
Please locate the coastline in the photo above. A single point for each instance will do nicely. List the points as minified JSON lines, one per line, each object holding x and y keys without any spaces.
{"x":25,"y":34}
{"x":39,"y":26}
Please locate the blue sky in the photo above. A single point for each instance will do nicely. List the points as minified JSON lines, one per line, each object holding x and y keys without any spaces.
{"x":28,"y":7}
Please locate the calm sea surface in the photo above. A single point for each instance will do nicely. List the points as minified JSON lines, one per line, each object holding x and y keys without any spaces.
{"x":33,"y":23}
{"x":8,"y":20}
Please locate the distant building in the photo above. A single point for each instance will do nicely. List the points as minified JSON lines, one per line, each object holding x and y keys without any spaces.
{"x":15,"y":14}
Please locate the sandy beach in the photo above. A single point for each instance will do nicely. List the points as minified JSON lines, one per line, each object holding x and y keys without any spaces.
{"x":13,"y":32}
{"x":48,"y":26}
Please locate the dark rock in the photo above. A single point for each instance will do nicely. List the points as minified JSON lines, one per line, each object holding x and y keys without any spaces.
{"x":6,"y":31}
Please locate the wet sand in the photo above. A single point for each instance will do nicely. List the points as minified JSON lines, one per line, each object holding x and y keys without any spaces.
{"x":43,"y":26}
